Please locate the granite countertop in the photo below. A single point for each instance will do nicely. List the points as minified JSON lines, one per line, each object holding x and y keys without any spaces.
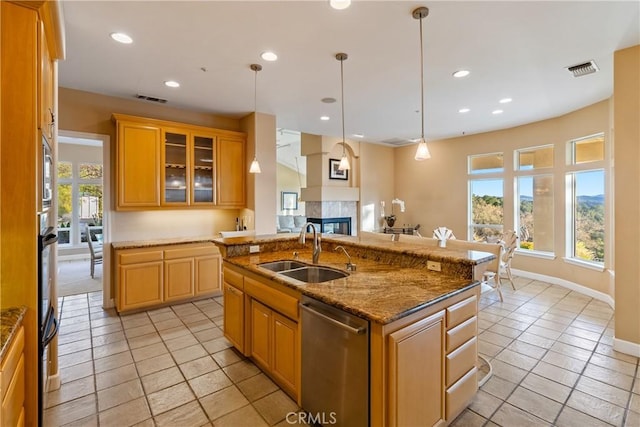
{"x":375,"y":291}
{"x":134,"y":244}
{"x":10,"y":320}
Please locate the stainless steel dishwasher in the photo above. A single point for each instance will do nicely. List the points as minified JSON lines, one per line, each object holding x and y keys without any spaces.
{"x":335,"y":365}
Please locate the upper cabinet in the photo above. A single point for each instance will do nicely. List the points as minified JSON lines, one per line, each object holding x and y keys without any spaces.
{"x":166,"y":164}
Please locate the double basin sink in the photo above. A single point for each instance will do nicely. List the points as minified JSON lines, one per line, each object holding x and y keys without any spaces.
{"x":304,"y":272}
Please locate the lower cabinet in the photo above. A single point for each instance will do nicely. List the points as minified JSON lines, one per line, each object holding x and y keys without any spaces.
{"x":146,"y":277}
{"x":13,"y":385}
{"x":260,"y":320}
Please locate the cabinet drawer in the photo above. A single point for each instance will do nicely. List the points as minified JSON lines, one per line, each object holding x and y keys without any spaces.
{"x":461,"y":333}
{"x":459,"y":395}
{"x":137,"y":257}
{"x":14,"y":400}
{"x":190,"y":251}
{"x":461,"y":360}
{"x":232,"y":278}
{"x":275,"y":299}
{"x":461,"y":311}
{"x":11,"y":359}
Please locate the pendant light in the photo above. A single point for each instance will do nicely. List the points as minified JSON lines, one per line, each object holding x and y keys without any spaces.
{"x":422,"y":153}
{"x":255,"y":166}
{"x":344,"y":161}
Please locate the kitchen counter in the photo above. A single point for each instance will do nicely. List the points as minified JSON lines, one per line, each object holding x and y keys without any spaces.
{"x":134,"y":244}
{"x":379,"y":290}
{"x":10,"y":321}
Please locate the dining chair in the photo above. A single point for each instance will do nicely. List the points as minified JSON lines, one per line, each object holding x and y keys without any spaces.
{"x":509,"y":241}
{"x":96,"y":252}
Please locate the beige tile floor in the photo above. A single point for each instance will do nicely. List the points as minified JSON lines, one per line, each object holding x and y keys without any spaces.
{"x":550,"y":349}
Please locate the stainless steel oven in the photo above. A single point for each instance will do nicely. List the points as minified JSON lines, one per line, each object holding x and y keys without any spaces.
{"x":47,"y":171}
{"x":47,"y":322}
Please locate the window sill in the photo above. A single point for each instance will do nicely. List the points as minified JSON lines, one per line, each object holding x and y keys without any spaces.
{"x":585,"y":264}
{"x":536,"y":254}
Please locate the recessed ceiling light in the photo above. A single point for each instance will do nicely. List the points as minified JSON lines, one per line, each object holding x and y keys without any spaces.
{"x":268,"y":56}
{"x":358,"y":135}
{"x":122,"y":38}
{"x":171,"y":83}
{"x":340,"y":4}
{"x":464,"y":110}
{"x":496,"y":112}
{"x":505,"y":100}
{"x":461,"y":73}
{"x":324,"y":118}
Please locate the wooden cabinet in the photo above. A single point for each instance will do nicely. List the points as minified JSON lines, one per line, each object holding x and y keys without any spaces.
{"x":46,"y":71}
{"x":13,"y":382}
{"x":138,"y":165}
{"x":231,"y":172}
{"x":234,"y":315}
{"x":146,"y":277}
{"x":415,"y":380}
{"x":183,"y":165}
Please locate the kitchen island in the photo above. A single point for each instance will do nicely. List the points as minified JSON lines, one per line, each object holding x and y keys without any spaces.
{"x":423,"y":323}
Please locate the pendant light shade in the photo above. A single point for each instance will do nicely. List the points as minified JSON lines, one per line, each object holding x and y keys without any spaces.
{"x":255,"y":166}
{"x":422,"y":153}
{"x":344,"y":161}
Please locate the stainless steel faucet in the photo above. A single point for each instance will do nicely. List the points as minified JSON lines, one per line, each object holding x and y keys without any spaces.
{"x":316,"y":240}
{"x":350,"y":266}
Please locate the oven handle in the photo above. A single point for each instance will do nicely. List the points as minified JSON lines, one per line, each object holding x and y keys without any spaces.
{"x":51,"y":328}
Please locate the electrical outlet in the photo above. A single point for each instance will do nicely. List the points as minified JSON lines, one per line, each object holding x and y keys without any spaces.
{"x":433,"y":266}
{"x":254,"y":249}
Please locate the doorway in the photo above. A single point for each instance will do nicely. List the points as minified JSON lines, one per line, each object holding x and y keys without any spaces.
{"x":82,"y":201}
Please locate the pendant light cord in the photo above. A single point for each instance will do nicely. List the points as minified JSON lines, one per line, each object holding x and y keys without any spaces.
{"x":421,"y":79}
{"x":342,"y":100}
{"x":255,"y":91}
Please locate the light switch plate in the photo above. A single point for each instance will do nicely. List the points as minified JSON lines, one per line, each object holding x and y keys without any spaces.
{"x":433,"y":266}
{"x":254,"y":249}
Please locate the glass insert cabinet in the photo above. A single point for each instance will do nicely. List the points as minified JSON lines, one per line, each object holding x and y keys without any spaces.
{"x":189,"y":168}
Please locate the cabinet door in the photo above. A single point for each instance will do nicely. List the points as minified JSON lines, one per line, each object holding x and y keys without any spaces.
{"x":207,"y":274}
{"x":140,"y":285}
{"x":47,"y":113}
{"x":203,"y":170}
{"x":234,"y":316}
{"x":230,"y":172}
{"x":13,"y":402}
{"x":285,"y":351}
{"x":179,"y":278}
{"x":138,"y":167}
{"x":175,"y":168}
{"x":260,"y":334}
{"x":416,"y":363}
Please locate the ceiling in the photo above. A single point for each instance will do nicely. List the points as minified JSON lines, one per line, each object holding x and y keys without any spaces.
{"x":513,"y":49}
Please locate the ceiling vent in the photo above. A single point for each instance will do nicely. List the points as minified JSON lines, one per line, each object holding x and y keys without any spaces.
{"x":396,"y":142}
{"x":580,"y":70}
{"x":151,"y":98}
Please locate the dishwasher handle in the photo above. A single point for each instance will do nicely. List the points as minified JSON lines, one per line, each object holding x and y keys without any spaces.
{"x":358,"y":331}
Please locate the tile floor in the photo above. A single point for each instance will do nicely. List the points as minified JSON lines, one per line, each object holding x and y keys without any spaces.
{"x":550,"y":349}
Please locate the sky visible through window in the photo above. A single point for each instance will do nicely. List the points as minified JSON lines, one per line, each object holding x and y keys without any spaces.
{"x":590,"y":184}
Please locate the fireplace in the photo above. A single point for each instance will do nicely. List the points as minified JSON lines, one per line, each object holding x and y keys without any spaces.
{"x":333,"y":225}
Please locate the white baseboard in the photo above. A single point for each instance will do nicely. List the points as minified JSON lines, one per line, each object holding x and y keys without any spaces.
{"x":74,"y":257}
{"x":600,"y":296}
{"x":626,"y":347}
{"x":54,"y":382}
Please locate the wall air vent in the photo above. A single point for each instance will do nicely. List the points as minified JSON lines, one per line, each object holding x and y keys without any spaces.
{"x":580,"y":70}
{"x":396,"y":142}
{"x":151,"y":98}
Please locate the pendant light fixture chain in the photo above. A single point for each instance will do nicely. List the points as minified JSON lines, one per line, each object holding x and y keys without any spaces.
{"x":422,"y":152}
{"x":344,"y":161}
{"x":255,"y":165}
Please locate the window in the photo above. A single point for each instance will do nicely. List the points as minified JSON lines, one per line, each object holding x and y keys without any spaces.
{"x":586,"y":198}
{"x":534,"y":198}
{"x":79,"y":201}
{"x":487,"y":208}
{"x":486,"y":163}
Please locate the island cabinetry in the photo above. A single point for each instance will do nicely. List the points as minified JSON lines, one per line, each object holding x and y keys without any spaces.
{"x":12,"y":380}
{"x":423,"y":366}
{"x":148,"y":277}
{"x":261,"y":320}
{"x":234,"y":312}
{"x":183,"y":166}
